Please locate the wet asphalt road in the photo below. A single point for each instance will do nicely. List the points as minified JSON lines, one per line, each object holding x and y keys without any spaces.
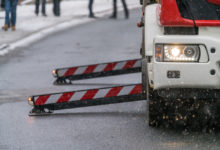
{"x":119,"y":126}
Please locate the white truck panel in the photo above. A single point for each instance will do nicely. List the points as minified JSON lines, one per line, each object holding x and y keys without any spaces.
{"x":152,"y":28}
{"x":211,"y":32}
{"x":192,"y":75}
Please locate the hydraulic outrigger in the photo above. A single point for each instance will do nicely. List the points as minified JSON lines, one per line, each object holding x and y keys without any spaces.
{"x":67,"y":75}
{"x":47,"y":103}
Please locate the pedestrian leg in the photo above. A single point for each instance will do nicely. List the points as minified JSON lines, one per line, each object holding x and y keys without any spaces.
{"x":54,"y":7}
{"x":91,"y":14}
{"x":7,"y":11}
{"x":125,"y":9}
{"x":44,"y":8}
{"x":3,"y":4}
{"x":58,"y":7}
{"x":13,"y":14}
{"x":114,"y":14}
{"x":37,"y":7}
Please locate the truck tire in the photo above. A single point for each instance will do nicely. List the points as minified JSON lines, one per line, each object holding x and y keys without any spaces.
{"x":155,"y":108}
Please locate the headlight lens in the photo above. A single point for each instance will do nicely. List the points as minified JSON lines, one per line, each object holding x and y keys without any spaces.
{"x":177,"y":53}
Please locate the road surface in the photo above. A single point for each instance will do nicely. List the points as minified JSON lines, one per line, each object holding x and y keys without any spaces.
{"x":119,"y":126}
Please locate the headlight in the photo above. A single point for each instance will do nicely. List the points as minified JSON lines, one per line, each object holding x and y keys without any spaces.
{"x":177,"y":53}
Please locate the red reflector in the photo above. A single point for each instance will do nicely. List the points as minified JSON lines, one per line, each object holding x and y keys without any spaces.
{"x":140,"y":24}
{"x":216,"y":2}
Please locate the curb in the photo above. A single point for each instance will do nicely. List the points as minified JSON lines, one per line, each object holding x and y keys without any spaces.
{"x":3,"y":46}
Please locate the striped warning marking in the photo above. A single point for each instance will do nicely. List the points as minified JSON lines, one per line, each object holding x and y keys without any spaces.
{"x":105,"y":67}
{"x":87,"y":94}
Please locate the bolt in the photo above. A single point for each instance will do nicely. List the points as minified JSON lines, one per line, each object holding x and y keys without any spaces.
{"x":213,"y":50}
{"x":212,"y":72}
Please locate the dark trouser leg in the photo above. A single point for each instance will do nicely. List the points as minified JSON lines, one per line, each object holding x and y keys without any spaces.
{"x":125,"y":8}
{"x":56,"y":7}
{"x":37,"y":6}
{"x":3,"y":4}
{"x":13,"y":12}
{"x":44,"y":7}
{"x":115,"y":8}
{"x":90,"y":8}
{"x":7,"y":11}
{"x":114,"y":14}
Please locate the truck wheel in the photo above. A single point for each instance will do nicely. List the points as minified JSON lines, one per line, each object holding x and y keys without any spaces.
{"x":155,"y":108}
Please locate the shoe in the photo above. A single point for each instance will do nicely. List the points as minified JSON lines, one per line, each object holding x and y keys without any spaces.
{"x":57,"y":14}
{"x":45,"y":15}
{"x":113,"y":17}
{"x":36,"y":13}
{"x":13,"y":28}
{"x":126,"y":16}
{"x":5,"y":27}
{"x":92,"y":16}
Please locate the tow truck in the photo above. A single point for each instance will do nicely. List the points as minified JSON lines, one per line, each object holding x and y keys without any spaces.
{"x":180,"y":66}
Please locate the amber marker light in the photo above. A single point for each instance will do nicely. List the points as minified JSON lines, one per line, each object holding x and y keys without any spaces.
{"x":159,"y":49}
{"x":30,"y":101}
{"x":140,"y":24}
{"x":54,"y":72}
